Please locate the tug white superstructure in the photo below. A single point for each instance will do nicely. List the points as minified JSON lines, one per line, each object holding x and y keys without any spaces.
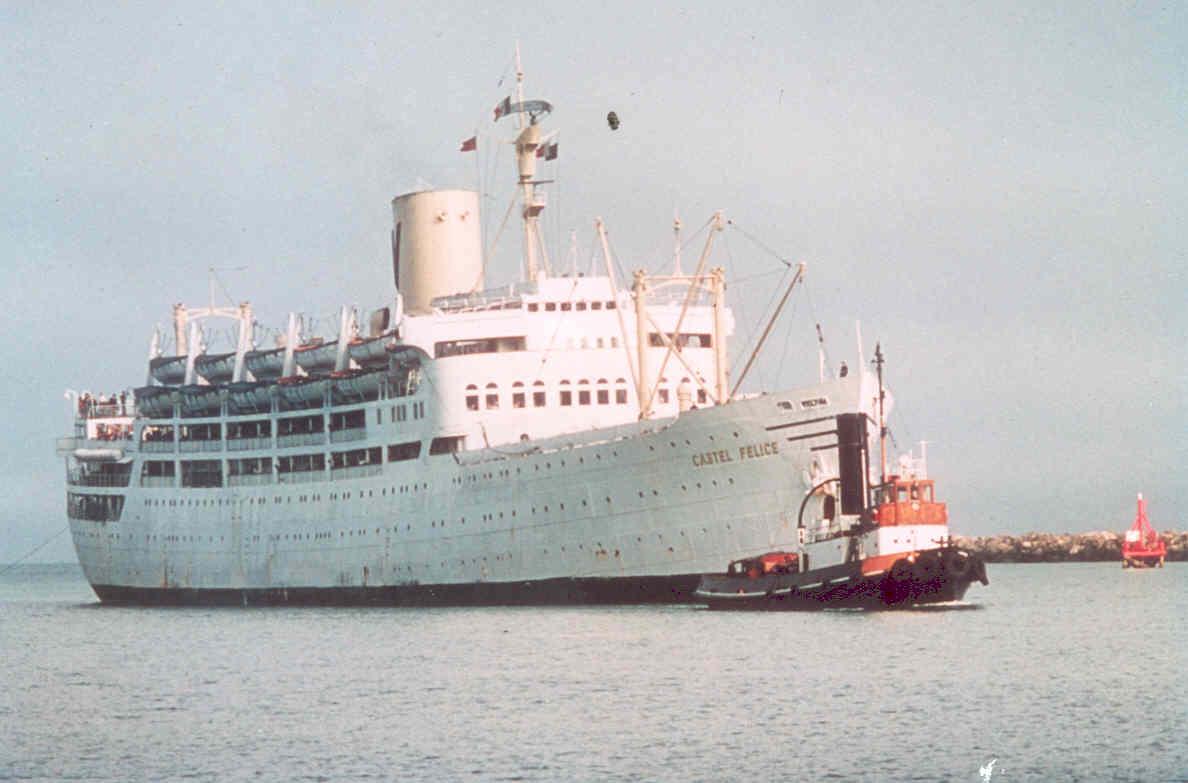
{"x":561,"y":438}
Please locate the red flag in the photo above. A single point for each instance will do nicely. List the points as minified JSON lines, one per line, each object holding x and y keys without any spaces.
{"x":503,"y":108}
{"x":470,"y":145}
{"x":551,"y":151}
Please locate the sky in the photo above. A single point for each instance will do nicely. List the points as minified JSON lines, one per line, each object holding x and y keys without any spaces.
{"x":996,"y":192}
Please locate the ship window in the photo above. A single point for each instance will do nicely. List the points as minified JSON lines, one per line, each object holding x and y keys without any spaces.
{"x":518,"y":398}
{"x":157,"y":434}
{"x":401,"y":413}
{"x":202,"y":473}
{"x":614,"y":342}
{"x":566,"y":394}
{"x":538,"y":394}
{"x":701,"y":397}
{"x":486,"y":345}
{"x":533,"y":307}
{"x":596,"y":305}
{"x":603,"y":392}
{"x":157,"y":469}
{"x":583,"y":393}
{"x":447,"y":445}
{"x":566,"y":306}
{"x":550,"y":306}
{"x":347,"y":420}
{"x":663,"y":395}
{"x":581,"y":306}
{"x":492,"y":398}
{"x":472,"y":398}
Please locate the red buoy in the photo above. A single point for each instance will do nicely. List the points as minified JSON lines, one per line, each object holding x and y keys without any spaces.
{"x":1142,"y":547}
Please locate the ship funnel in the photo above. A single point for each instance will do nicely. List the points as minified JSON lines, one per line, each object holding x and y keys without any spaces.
{"x":436,"y":245}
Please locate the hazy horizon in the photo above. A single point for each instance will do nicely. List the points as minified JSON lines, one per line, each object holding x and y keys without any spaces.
{"x":996,"y":193}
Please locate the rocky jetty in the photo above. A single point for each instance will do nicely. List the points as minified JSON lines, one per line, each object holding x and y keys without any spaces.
{"x":1101,"y":545}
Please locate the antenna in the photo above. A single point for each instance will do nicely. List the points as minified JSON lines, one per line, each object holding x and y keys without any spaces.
{"x":878,"y":363}
{"x":676,"y":243}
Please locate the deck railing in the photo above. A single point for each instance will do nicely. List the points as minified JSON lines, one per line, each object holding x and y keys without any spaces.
{"x":79,"y":479}
{"x":357,"y":471}
{"x":248,"y":444}
{"x":159,"y":482}
{"x":158,"y":446}
{"x":301,"y":477}
{"x":249,"y":480}
{"x":346,"y":436}
{"x":301,"y":439}
{"x":191,"y":446}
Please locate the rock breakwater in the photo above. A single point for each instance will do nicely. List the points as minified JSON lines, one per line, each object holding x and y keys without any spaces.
{"x":1097,"y":546}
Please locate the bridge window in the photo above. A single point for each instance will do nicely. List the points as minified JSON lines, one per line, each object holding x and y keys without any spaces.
{"x":487,"y":345}
{"x":399,"y":452}
{"x":447,"y":445}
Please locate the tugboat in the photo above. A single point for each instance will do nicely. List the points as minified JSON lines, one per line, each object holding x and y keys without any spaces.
{"x":1142,"y":547}
{"x":860,"y":547}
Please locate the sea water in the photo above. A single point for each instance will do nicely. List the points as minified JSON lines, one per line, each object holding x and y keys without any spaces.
{"x":1053,"y":672}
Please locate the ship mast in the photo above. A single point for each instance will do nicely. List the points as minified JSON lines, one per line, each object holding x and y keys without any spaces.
{"x":878,"y":362}
{"x":527,"y":142}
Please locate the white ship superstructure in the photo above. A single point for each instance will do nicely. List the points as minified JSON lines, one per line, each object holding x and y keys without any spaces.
{"x":561,"y":438}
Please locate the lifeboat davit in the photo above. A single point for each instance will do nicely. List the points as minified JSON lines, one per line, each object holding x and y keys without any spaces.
{"x":1142,"y":547}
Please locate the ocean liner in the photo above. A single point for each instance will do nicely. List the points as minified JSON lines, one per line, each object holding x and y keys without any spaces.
{"x":562,"y":438}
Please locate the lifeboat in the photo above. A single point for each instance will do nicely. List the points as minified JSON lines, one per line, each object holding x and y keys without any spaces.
{"x":249,"y":397}
{"x":168,"y":370}
{"x":301,"y":391}
{"x":216,"y":368}
{"x":266,"y":365}
{"x":156,"y":402}
{"x":370,"y":351}
{"x":357,"y":385}
{"x":196,"y":400}
{"x":317,"y":356}
{"x":1141,"y":546}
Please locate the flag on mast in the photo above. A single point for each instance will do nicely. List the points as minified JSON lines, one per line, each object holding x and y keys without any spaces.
{"x":547,"y":151}
{"x":469,"y":145}
{"x":503,"y":108}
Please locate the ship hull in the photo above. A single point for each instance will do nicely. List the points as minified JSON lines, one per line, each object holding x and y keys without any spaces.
{"x":850,"y":586}
{"x":544,"y":592}
{"x":631,"y":514}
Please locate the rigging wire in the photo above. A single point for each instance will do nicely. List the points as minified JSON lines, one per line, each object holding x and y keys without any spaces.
{"x":33,"y":551}
{"x":762,"y":246}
